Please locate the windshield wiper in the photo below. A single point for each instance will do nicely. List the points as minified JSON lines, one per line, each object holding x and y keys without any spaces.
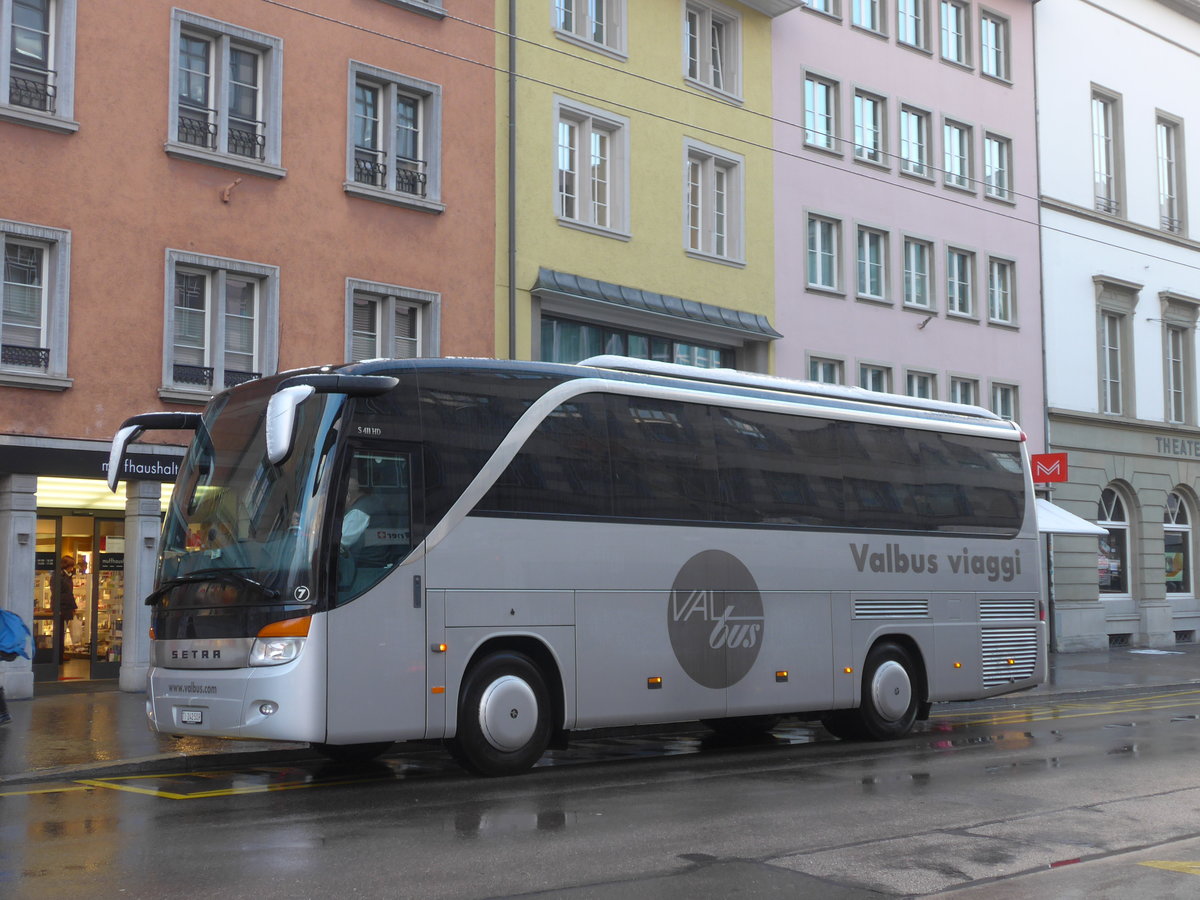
{"x":221,"y":575}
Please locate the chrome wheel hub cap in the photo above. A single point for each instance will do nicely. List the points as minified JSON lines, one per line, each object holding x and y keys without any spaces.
{"x":508,"y":713}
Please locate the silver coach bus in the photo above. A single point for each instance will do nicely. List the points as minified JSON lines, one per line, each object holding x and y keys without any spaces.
{"x":500,"y":553}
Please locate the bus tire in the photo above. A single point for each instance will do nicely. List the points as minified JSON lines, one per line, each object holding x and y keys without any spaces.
{"x":741,"y":726}
{"x":503,"y":716}
{"x":891,"y":693}
{"x":352,"y":754}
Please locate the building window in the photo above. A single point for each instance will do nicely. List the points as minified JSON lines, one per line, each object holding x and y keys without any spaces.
{"x":960,"y":287}
{"x":37,"y":63}
{"x":993,"y":46}
{"x":1177,"y":545}
{"x":820,"y":113}
{"x":226,"y":94}
{"x":997,"y":167}
{"x":711,"y":42}
{"x":33,"y":305}
{"x":598,"y":22}
{"x":1112,"y":363}
{"x":1114,"y":547}
{"x":872,"y":264}
{"x":911,"y":25}
{"x":591,"y":183}
{"x":385,"y":321}
{"x":395,"y":126}
{"x":921,"y":384}
{"x":714,"y":219}
{"x":824,"y":237}
{"x":222,"y":320}
{"x":869,"y":116}
{"x":570,"y":341}
{"x":1106,"y":150}
{"x":1168,"y":139}
{"x":868,"y":14}
{"x":826,"y":371}
{"x":914,"y":141}
{"x":875,"y":378}
{"x":956,"y":140}
{"x":829,"y":7}
{"x":964,"y":390}
{"x":917,"y":255}
{"x":1004,"y":401}
{"x":1000,"y":291}
{"x":956,"y":17}
{"x":1177,"y":359}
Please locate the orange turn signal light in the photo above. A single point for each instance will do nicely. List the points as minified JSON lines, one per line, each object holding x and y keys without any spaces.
{"x":287,"y":628}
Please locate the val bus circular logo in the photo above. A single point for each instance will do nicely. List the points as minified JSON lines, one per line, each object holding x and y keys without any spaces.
{"x":715,"y":619}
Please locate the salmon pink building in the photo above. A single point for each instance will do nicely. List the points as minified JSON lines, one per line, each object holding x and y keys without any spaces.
{"x":190,"y":197}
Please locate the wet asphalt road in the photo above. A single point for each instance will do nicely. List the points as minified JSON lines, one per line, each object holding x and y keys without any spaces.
{"x":1032,"y":797}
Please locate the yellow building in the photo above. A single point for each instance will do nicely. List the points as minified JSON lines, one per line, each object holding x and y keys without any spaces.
{"x":634,"y":189}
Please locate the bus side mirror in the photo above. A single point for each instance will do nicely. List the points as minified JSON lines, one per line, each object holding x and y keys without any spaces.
{"x":281,"y":420}
{"x":135,"y":425}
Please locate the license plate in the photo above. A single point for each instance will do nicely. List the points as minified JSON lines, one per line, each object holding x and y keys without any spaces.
{"x":191,"y":716}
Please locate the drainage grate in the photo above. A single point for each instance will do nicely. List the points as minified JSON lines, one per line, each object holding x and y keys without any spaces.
{"x":1185,"y":637}
{"x":1118,"y":640}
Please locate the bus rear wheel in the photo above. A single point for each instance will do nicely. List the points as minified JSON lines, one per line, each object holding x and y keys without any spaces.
{"x":503,"y":716}
{"x":891,"y":698}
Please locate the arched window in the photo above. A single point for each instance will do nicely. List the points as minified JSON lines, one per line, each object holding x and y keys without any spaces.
{"x":1177,"y":545}
{"x":1113,"y":564}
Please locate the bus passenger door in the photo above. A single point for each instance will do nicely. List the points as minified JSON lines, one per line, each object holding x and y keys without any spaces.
{"x":376,"y":635}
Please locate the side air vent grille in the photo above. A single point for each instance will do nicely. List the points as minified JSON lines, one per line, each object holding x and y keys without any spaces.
{"x":891,"y":609}
{"x":1008,"y":609}
{"x":1009,"y":654}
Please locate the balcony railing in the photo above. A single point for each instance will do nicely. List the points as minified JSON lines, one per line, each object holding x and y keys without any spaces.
{"x":369,"y":168}
{"x":198,"y":127}
{"x":410,"y":176}
{"x":233,"y":379}
{"x":1109,"y":205}
{"x":1172,"y":224}
{"x":246,"y":138}
{"x":26,"y":357}
{"x":33,"y":89}
{"x":198,"y":375}
{"x":202,"y":376}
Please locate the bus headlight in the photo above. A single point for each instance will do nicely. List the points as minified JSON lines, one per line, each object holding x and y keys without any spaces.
{"x":275,"y":651}
{"x":280,"y":642}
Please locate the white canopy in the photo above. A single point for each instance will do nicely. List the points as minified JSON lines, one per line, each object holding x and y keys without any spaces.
{"x":1056,"y":520}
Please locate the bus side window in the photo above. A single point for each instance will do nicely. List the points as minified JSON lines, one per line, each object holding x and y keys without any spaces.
{"x":376,"y":523}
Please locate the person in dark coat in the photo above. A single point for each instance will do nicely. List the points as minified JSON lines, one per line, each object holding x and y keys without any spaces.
{"x":66,"y":600}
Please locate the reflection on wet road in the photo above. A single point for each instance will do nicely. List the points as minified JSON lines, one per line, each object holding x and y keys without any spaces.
{"x":981,"y":794}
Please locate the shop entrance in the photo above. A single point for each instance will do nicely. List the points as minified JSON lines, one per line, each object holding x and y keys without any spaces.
{"x":79,"y":597}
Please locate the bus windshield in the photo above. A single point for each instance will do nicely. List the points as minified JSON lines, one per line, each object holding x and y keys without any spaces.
{"x":237,"y":519}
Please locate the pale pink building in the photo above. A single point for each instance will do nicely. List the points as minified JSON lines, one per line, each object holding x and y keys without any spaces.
{"x":906,"y":201}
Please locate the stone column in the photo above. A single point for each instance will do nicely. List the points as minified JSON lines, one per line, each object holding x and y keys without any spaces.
{"x":142,"y":526}
{"x":18,"y":544}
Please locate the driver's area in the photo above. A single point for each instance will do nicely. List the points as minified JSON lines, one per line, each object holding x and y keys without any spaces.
{"x":376,"y":519}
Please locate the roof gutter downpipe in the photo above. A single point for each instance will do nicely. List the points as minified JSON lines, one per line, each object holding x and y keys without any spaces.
{"x":512,"y":179}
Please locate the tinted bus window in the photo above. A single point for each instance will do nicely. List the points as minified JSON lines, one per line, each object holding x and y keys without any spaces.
{"x":464,"y":416}
{"x":663,"y":461}
{"x":564,"y":467}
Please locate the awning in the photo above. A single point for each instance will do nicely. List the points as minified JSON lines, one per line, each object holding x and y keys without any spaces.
{"x":564,"y":284}
{"x":1056,"y":520}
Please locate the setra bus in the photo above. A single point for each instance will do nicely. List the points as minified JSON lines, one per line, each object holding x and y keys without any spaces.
{"x":497,"y":554}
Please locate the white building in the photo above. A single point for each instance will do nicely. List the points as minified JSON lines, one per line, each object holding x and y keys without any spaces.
{"x":1121,"y":287}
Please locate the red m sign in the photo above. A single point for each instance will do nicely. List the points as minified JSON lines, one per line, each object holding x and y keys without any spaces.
{"x":1048,"y":467}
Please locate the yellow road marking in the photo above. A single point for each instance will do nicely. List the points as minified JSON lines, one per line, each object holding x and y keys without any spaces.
{"x":1187,"y":868}
{"x":1075,"y":710}
{"x":115,"y":784}
{"x":64,"y":789}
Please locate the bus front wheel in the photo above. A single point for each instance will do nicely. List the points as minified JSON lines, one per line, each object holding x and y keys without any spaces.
{"x":503,"y":716}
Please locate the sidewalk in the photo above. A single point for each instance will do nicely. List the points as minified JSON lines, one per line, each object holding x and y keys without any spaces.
{"x":74,"y":730}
